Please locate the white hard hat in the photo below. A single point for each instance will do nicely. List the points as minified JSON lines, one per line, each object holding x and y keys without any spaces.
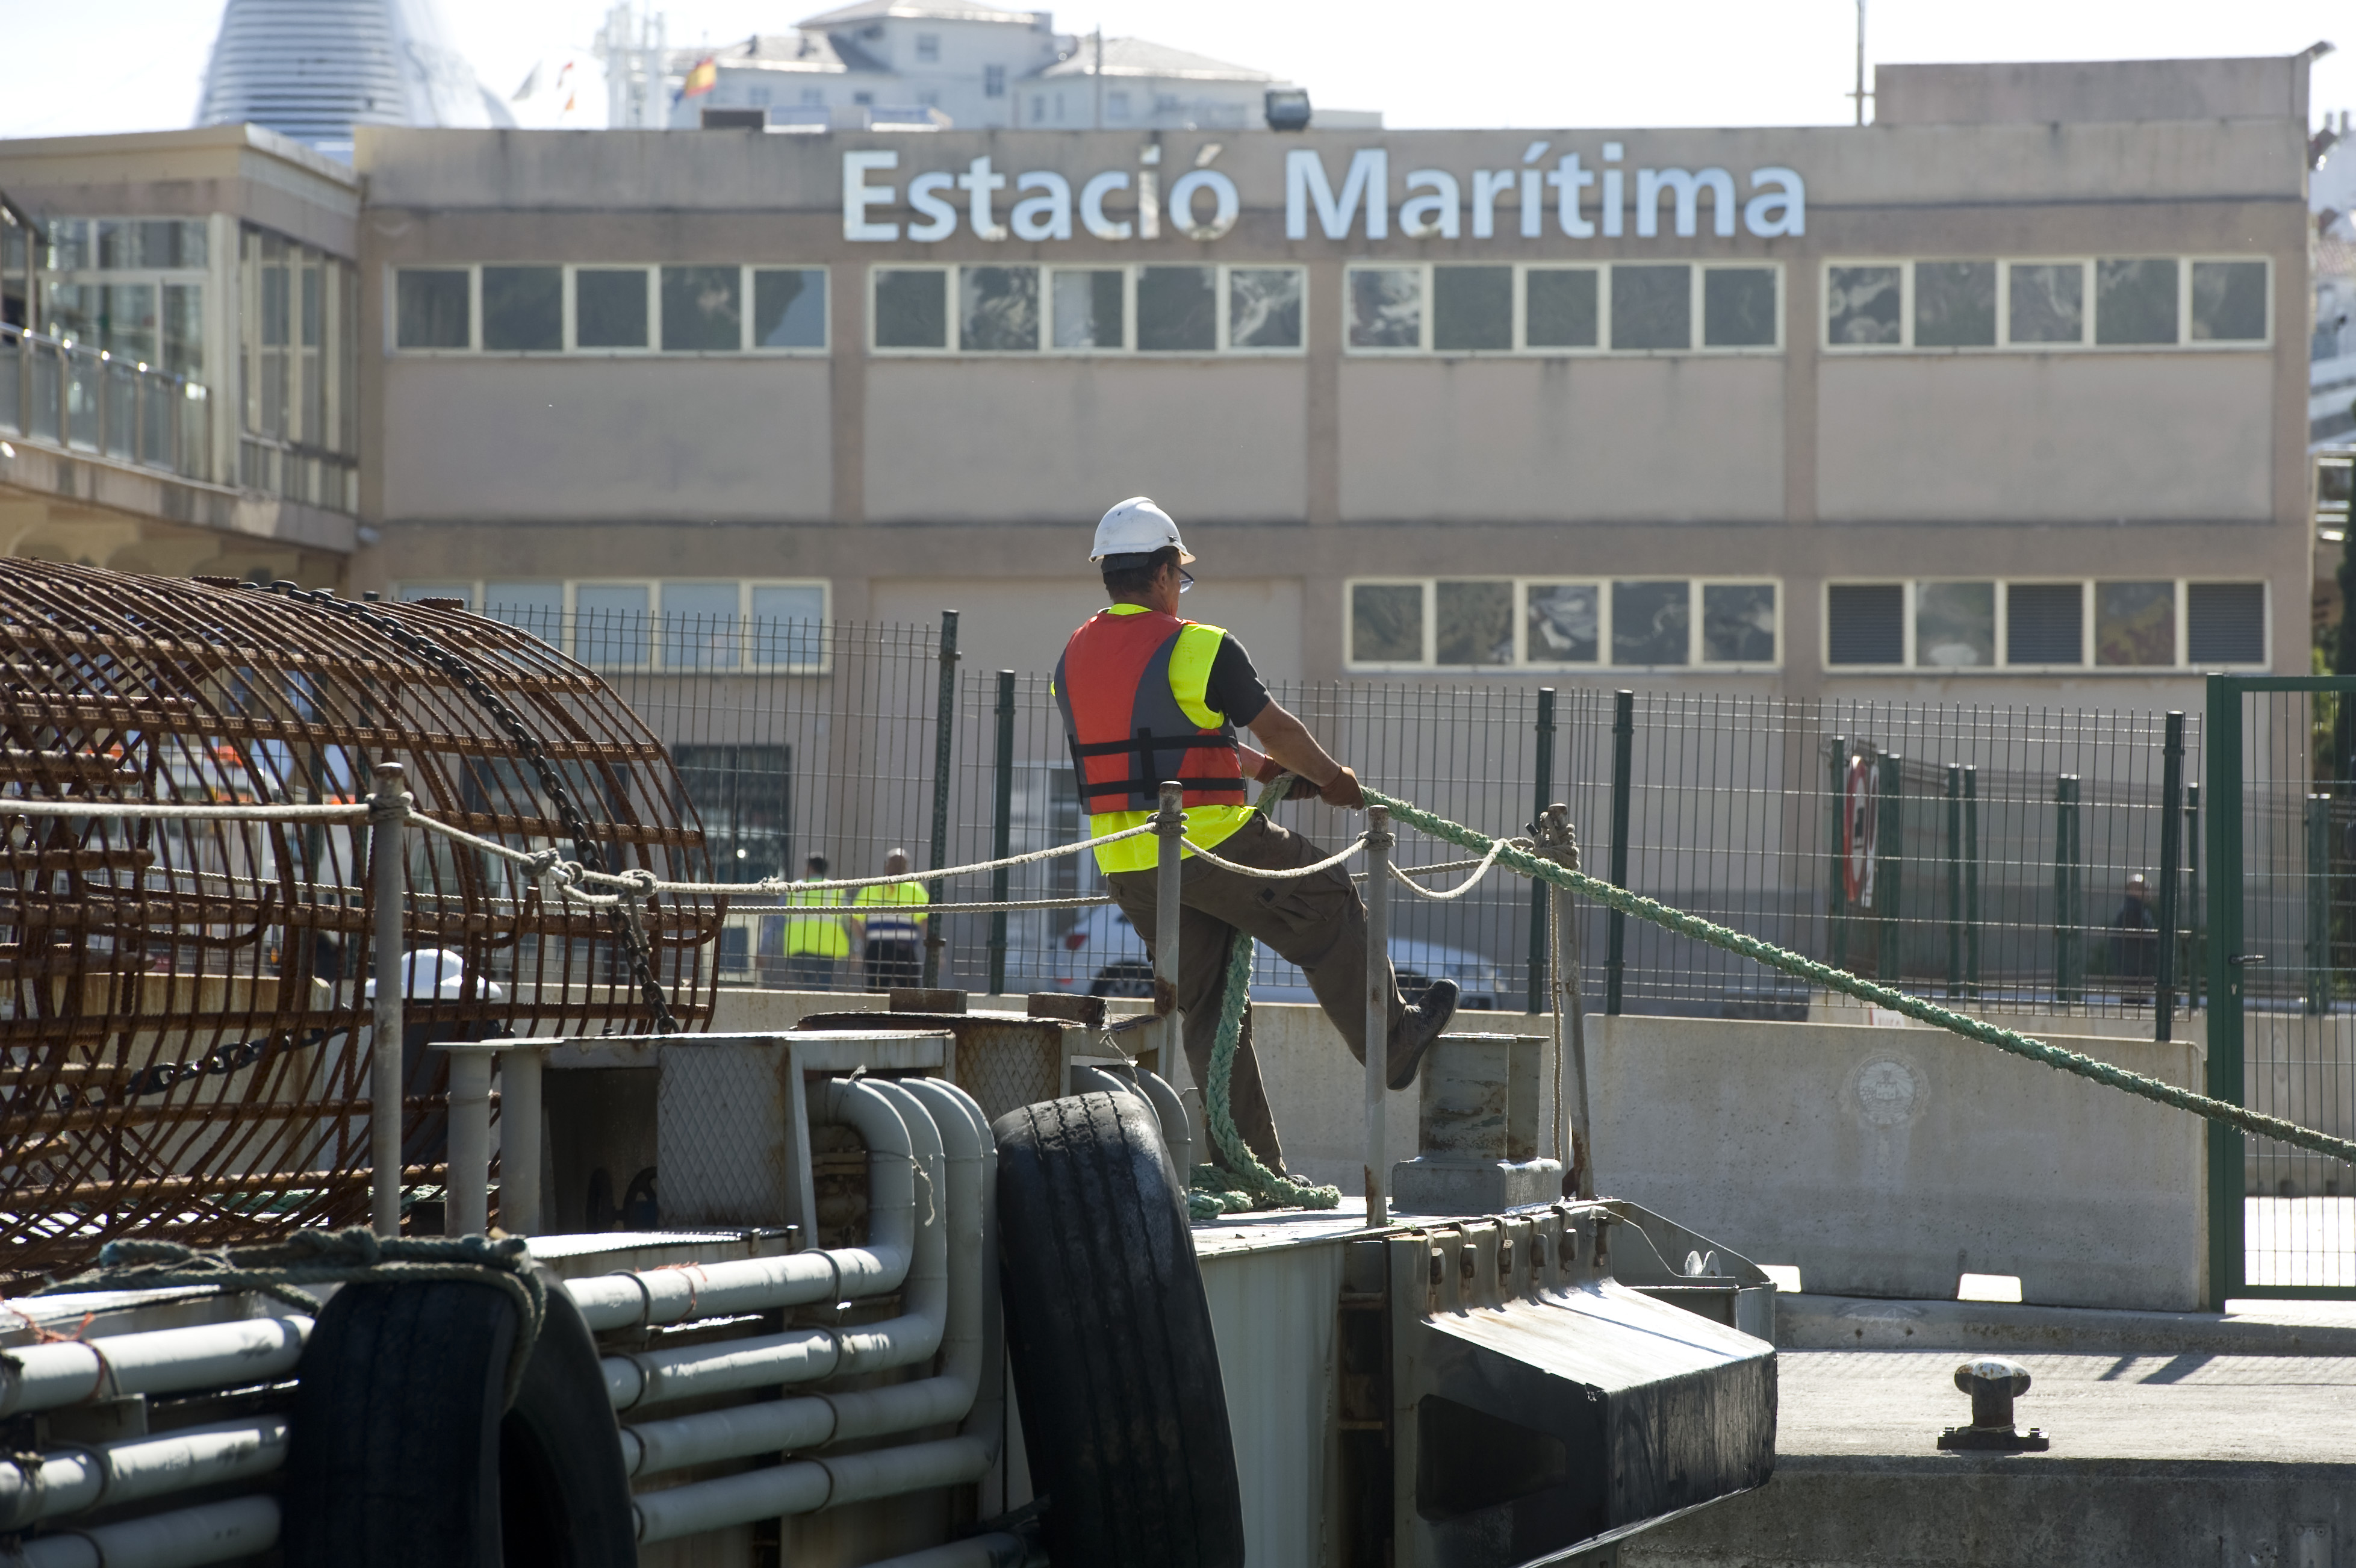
{"x":1136,"y":527}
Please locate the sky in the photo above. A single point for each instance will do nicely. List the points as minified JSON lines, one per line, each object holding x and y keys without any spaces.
{"x":1468,"y":62}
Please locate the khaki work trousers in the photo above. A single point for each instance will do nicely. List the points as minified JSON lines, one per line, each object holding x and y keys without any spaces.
{"x":1314,"y":921}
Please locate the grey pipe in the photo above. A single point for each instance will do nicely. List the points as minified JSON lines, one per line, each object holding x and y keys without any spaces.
{"x":217,"y":1533}
{"x":167,"y":1360}
{"x":994,"y":1551}
{"x":660,"y":1296}
{"x":388,"y":862}
{"x":521,"y":1069}
{"x":468,"y":1184}
{"x":69,"y":1480}
{"x":969,"y":1327}
{"x":901,"y":1141}
{"x":806,"y":1486}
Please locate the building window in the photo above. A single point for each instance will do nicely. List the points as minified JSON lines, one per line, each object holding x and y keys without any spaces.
{"x":1626,"y":308}
{"x":1139,"y":309}
{"x":928,"y":47}
{"x":1540,"y":624}
{"x":2226,"y":623}
{"x":993,"y":82}
{"x":2112,"y":302}
{"x":2153,"y":624}
{"x":552,"y":308}
{"x":1117,"y":104}
{"x":523,"y":309}
{"x":684,"y":626}
{"x":433,"y":308}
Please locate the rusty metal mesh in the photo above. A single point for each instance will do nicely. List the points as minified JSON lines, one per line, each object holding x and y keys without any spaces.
{"x":184,"y":1048}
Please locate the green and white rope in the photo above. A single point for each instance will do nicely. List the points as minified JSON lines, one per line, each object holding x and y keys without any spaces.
{"x":1842,"y":981}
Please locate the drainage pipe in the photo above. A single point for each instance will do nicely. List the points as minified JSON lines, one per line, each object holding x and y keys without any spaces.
{"x":70,"y":1480}
{"x":656,"y":1297}
{"x":217,"y":1533}
{"x":807,"y":1486}
{"x":813,"y":1422}
{"x":994,"y":1551}
{"x":809,"y":1355}
{"x":168,"y":1361}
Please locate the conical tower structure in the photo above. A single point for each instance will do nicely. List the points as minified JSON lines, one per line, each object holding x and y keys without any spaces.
{"x":314,"y":68}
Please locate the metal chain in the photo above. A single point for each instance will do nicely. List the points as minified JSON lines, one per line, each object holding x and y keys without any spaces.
{"x":622,"y":915}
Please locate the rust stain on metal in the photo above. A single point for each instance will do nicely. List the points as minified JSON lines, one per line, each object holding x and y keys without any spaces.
{"x":1165,"y":998}
{"x":183,"y":1004}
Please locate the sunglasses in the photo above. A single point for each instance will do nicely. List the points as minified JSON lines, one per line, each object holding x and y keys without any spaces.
{"x":1185,"y":579}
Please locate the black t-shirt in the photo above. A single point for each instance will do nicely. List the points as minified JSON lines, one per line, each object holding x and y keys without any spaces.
{"x":1235,"y":688}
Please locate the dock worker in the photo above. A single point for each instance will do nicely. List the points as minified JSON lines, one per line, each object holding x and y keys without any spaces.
{"x":1146,"y":696}
{"x":890,"y":926}
{"x":815,"y":944}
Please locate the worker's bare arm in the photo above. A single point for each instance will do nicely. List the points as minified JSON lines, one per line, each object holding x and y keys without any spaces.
{"x":1288,"y":744}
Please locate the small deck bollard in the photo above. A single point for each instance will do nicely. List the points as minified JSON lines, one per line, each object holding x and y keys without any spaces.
{"x":388,"y":868}
{"x":1992,"y":1383}
{"x":1168,"y":872}
{"x":1380,"y":990}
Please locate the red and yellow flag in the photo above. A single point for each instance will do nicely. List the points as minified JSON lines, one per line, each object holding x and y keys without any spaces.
{"x":701,"y":79}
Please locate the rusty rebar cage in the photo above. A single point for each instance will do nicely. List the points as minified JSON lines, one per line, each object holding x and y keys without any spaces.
{"x":183,"y":1003}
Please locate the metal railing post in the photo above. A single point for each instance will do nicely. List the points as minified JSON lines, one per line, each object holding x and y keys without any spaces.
{"x":2068,"y":975}
{"x":944,"y":731}
{"x":389,"y":873}
{"x":1001,"y":836}
{"x":2220,"y":744}
{"x":521,"y":1067}
{"x":466,"y":1189}
{"x":2317,"y":987}
{"x":1890,"y":851}
{"x":1170,"y":822}
{"x":2171,"y":858}
{"x":1378,"y":1011}
{"x":1615,"y":924}
{"x":1540,"y":959}
{"x":1972,"y":879}
{"x":2196,"y":964}
{"x":1835,"y":814}
{"x":1954,"y":877}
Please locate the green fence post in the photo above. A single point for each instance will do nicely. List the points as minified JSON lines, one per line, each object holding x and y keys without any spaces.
{"x":2196,"y":952}
{"x":2068,"y":974}
{"x":1971,"y":880}
{"x":2318,"y":988}
{"x":1001,"y":836}
{"x":1835,"y":814}
{"x":1954,"y":877}
{"x":943,"y":732}
{"x":2171,"y":857}
{"x":1890,"y":853}
{"x":1615,"y":929}
{"x":2221,"y":741}
{"x":1541,"y":961}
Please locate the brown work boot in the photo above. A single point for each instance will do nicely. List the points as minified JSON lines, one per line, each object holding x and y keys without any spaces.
{"x":1413,"y":1038}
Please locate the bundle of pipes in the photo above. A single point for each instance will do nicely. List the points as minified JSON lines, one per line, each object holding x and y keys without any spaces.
{"x":931,"y":1164}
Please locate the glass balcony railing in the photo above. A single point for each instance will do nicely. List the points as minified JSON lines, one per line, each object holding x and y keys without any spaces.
{"x":58,"y":392}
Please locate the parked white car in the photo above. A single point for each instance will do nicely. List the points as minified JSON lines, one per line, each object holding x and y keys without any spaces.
{"x":1104,"y":956}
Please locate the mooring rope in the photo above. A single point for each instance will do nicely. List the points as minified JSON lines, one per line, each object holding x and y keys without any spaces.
{"x":1841,"y":980}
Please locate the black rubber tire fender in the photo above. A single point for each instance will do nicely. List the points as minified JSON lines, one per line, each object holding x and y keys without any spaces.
{"x":399,"y":1455}
{"x":1124,"y":1417}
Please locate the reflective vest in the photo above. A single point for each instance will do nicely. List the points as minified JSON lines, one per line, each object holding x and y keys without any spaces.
{"x":825,"y":938}
{"x":884,"y":923}
{"x":1133,"y":685}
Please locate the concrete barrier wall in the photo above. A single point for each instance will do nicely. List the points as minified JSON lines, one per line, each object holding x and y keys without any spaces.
{"x":1879,"y":1161}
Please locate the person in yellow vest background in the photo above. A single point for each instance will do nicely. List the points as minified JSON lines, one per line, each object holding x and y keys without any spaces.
{"x":890,"y":926}
{"x":1147,"y":696}
{"x":815,"y":944}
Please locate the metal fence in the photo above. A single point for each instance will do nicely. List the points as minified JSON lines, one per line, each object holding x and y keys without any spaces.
{"x":1976,"y":851}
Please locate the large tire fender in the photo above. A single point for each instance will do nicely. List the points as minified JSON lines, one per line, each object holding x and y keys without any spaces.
{"x":1124,"y":1418}
{"x":400,"y":1457}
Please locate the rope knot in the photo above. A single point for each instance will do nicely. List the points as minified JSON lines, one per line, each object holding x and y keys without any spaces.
{"x":638,"y":883}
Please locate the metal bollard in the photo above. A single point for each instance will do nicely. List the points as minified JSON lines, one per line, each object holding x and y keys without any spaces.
{"x":1170,"y":825}
{"x":1379,"y":988}
{"x":388,"y":864}
{"x":467,"y":1210}
{"x":521,"y":1066}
